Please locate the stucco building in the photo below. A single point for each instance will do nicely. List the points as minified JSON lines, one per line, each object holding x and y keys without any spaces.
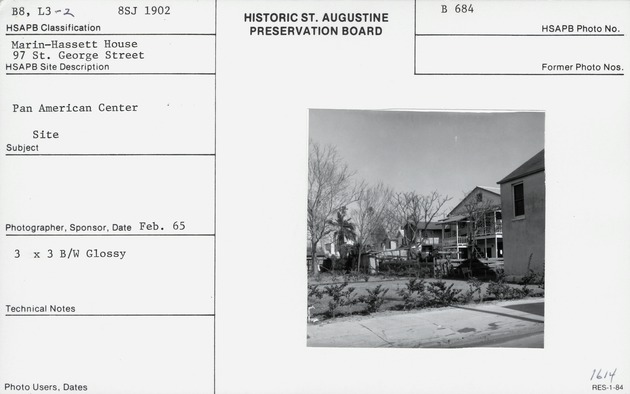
{"x":523,"y":207}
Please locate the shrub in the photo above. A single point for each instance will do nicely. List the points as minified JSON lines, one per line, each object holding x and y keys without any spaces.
{"x":400,"y":267}
{"x":517,"y":293}
{"x":413,"y":294}
{"x":533,"y":278}
{"x":474,"y":286}
{"x":415,"y":285}
{"x":340,"y":296}
{"x":530,"y":278}
{"x":499,"y":289}
{"x":314,"y":291}
{"x":442,"y":295}
{"x":374,"y":298}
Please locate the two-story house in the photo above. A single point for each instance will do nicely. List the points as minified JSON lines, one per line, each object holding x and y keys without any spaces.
{"x":474,"y":227}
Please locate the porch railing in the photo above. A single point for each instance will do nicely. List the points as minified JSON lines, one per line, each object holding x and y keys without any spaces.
{"x":489,"y":230}
{"x":451,"y":241}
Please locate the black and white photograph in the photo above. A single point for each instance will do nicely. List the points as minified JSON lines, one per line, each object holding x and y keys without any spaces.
{"x":426,"y":229}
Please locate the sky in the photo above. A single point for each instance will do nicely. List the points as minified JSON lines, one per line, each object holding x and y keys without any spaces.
{"x":451,"y":152}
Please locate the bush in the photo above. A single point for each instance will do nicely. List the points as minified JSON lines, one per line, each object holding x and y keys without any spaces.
{"x":400,"y":267}
{"x":413,"y":295}
{"x":532,"y":278}
{"x":443,"y":295}
{"x":499,"y":289}
{"x":474,"y":286}
{"x":334,"y":264}
{"x":340,"y":296}
{"x":313,"y":291}
{"x":517,"y":293}
{"x":374,"y":298}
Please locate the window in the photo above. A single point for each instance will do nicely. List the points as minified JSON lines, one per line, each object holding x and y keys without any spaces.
{"x":519,"y":200}
{"x":479,"y":197}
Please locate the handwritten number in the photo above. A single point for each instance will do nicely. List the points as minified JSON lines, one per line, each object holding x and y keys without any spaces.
{"x":598,"y":374}
{"x":66,"y":12}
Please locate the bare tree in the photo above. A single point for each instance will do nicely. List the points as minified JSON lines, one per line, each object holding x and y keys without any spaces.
{"x":414,"y":213}
{"x":477,"y":211}
{"x":368,"y":214}
{"x":330,"y":188}
{"x":391,"y":223}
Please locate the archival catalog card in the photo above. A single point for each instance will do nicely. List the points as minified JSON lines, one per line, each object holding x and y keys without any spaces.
{"x":318,"y":196}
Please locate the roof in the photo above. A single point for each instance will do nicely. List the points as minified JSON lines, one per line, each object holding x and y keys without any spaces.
{"x":531,"y":166}
{"x":492,"y":190}
{"x":431,"y":226}
{"x":451,"y":219}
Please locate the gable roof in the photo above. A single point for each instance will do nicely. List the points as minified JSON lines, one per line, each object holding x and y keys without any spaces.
{"x":492,"y":191}
{"x":531,"y":166}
